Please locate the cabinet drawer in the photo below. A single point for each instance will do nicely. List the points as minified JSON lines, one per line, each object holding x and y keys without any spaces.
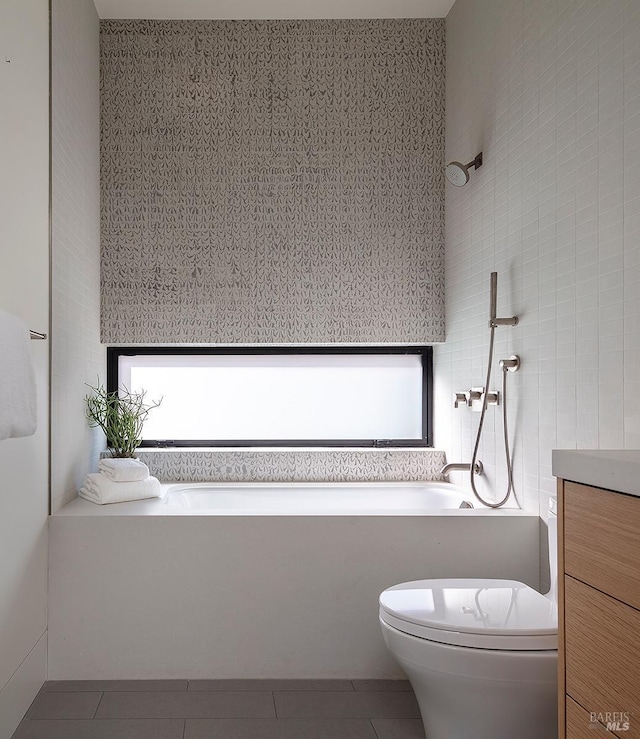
{"x":578,"y":722}
{"x":580,"y":726}
{"x":602,"y":540}
{"x":602,"y":642}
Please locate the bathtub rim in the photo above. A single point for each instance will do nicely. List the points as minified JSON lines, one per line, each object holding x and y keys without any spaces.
{"x":157,"y":507}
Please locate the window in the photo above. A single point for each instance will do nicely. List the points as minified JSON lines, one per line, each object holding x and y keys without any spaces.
{"x":311,"y":396}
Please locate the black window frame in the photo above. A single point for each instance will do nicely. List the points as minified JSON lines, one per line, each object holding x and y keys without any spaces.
{"x":426,"y":353}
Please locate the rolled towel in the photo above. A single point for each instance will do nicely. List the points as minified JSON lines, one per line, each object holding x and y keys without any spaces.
{"x":100,"y":489}
{"x":123,"y":470}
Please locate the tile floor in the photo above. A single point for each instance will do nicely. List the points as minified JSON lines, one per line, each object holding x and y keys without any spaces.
{"x":223,"y":709}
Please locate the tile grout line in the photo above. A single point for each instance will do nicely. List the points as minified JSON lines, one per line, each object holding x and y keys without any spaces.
{"x":373,"y":726}
{"x":98,"y":706}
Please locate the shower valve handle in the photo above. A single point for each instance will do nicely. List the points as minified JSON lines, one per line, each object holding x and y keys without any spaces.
{"x":474,"y":398}
{"x":493,"y":397}
{"x":459,"y":399}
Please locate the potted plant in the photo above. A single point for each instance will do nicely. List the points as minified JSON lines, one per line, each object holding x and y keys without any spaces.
{"x":121,"y":416}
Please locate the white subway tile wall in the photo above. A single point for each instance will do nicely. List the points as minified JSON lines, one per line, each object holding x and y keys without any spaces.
{"x":549,"y":90}
{"x":77,"y":355}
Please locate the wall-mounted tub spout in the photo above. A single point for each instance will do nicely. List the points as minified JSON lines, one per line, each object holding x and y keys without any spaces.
{"x":477,"y":468}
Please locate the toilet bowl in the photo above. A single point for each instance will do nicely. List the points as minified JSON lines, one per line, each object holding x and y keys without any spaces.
{"x":481,"y":654}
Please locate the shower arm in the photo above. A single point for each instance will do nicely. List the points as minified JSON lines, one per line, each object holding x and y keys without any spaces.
{"x":475,"y":163}
{"x":493,"y":321}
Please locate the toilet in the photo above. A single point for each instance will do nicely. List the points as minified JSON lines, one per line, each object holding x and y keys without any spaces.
{"x":481,"y":654}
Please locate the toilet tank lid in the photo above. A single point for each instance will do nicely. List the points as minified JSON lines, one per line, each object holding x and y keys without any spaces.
{"x":482,"y":608}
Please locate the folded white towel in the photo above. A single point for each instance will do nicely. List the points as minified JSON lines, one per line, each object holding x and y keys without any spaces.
{"x":123,"y":469}
{"x":17,"y":379}
{"x":100,"y":489}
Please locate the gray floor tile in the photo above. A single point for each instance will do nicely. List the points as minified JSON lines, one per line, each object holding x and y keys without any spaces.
{"x":398,"y":728}
{"x":64,"y":705}
{"x":368,"y":704}
{"x":101,"y":729}
{"x":77,"y":686}
{"x":279,"y":729}
{"x":270,"y":685}
{"x":401,"y":685}
{"x":187,"y":704}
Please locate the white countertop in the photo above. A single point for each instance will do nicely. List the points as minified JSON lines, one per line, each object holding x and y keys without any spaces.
{"x":612,"y":469}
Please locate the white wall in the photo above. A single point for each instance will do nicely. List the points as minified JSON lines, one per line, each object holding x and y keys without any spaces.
{"x":77,"y":355}
{"x":550,"y":91}
{"x":24,"y":291}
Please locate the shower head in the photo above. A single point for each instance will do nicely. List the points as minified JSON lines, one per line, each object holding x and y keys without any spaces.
{"x":458,"y":173}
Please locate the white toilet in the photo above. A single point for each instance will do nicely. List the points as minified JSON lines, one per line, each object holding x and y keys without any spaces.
{"x":481,"y":655}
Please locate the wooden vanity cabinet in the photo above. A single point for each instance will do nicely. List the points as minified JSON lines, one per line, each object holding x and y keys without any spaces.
{"x":599,"y":611}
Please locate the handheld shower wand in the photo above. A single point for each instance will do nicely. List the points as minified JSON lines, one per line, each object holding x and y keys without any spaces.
{"x":512,"y":365}
{"x":493,"y":309}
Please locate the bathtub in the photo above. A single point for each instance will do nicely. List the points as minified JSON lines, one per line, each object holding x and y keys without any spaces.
{"x":260,"y":580}
{"x":316,"y":499}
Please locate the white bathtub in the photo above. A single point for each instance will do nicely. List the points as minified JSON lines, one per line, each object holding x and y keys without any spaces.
{"x":260,"y":580}
{"x":317,"y":499}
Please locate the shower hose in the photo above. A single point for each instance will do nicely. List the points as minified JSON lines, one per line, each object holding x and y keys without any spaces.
{"x":504,"y":428}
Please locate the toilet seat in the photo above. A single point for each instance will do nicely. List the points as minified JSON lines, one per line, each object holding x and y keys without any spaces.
{"x":478,"y":613}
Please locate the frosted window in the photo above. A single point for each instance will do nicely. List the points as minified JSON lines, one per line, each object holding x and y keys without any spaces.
{"x":297,"y":397}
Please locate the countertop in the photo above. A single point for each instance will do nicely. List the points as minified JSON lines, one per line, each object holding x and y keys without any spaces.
{"x":611,"y":469}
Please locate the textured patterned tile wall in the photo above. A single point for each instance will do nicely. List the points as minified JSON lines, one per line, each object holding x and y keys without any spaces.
{"x":550,"y":91}
{"x":77,"y":355}
{"x":294,"y":466}
{"x":272,"y":181}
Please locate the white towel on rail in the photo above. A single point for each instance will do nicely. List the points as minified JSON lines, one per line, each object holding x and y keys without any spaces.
{"x":18,"y":402}
{"x":121,"y":469}
{"x":100,"y":489}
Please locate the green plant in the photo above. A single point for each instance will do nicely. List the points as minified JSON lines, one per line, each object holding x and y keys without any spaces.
{"x":121,"y":416}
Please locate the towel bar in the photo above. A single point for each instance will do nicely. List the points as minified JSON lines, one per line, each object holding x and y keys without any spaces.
{"x":37,"y":335}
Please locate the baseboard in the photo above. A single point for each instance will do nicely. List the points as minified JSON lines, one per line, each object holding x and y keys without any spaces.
{"x":18,"y":694}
